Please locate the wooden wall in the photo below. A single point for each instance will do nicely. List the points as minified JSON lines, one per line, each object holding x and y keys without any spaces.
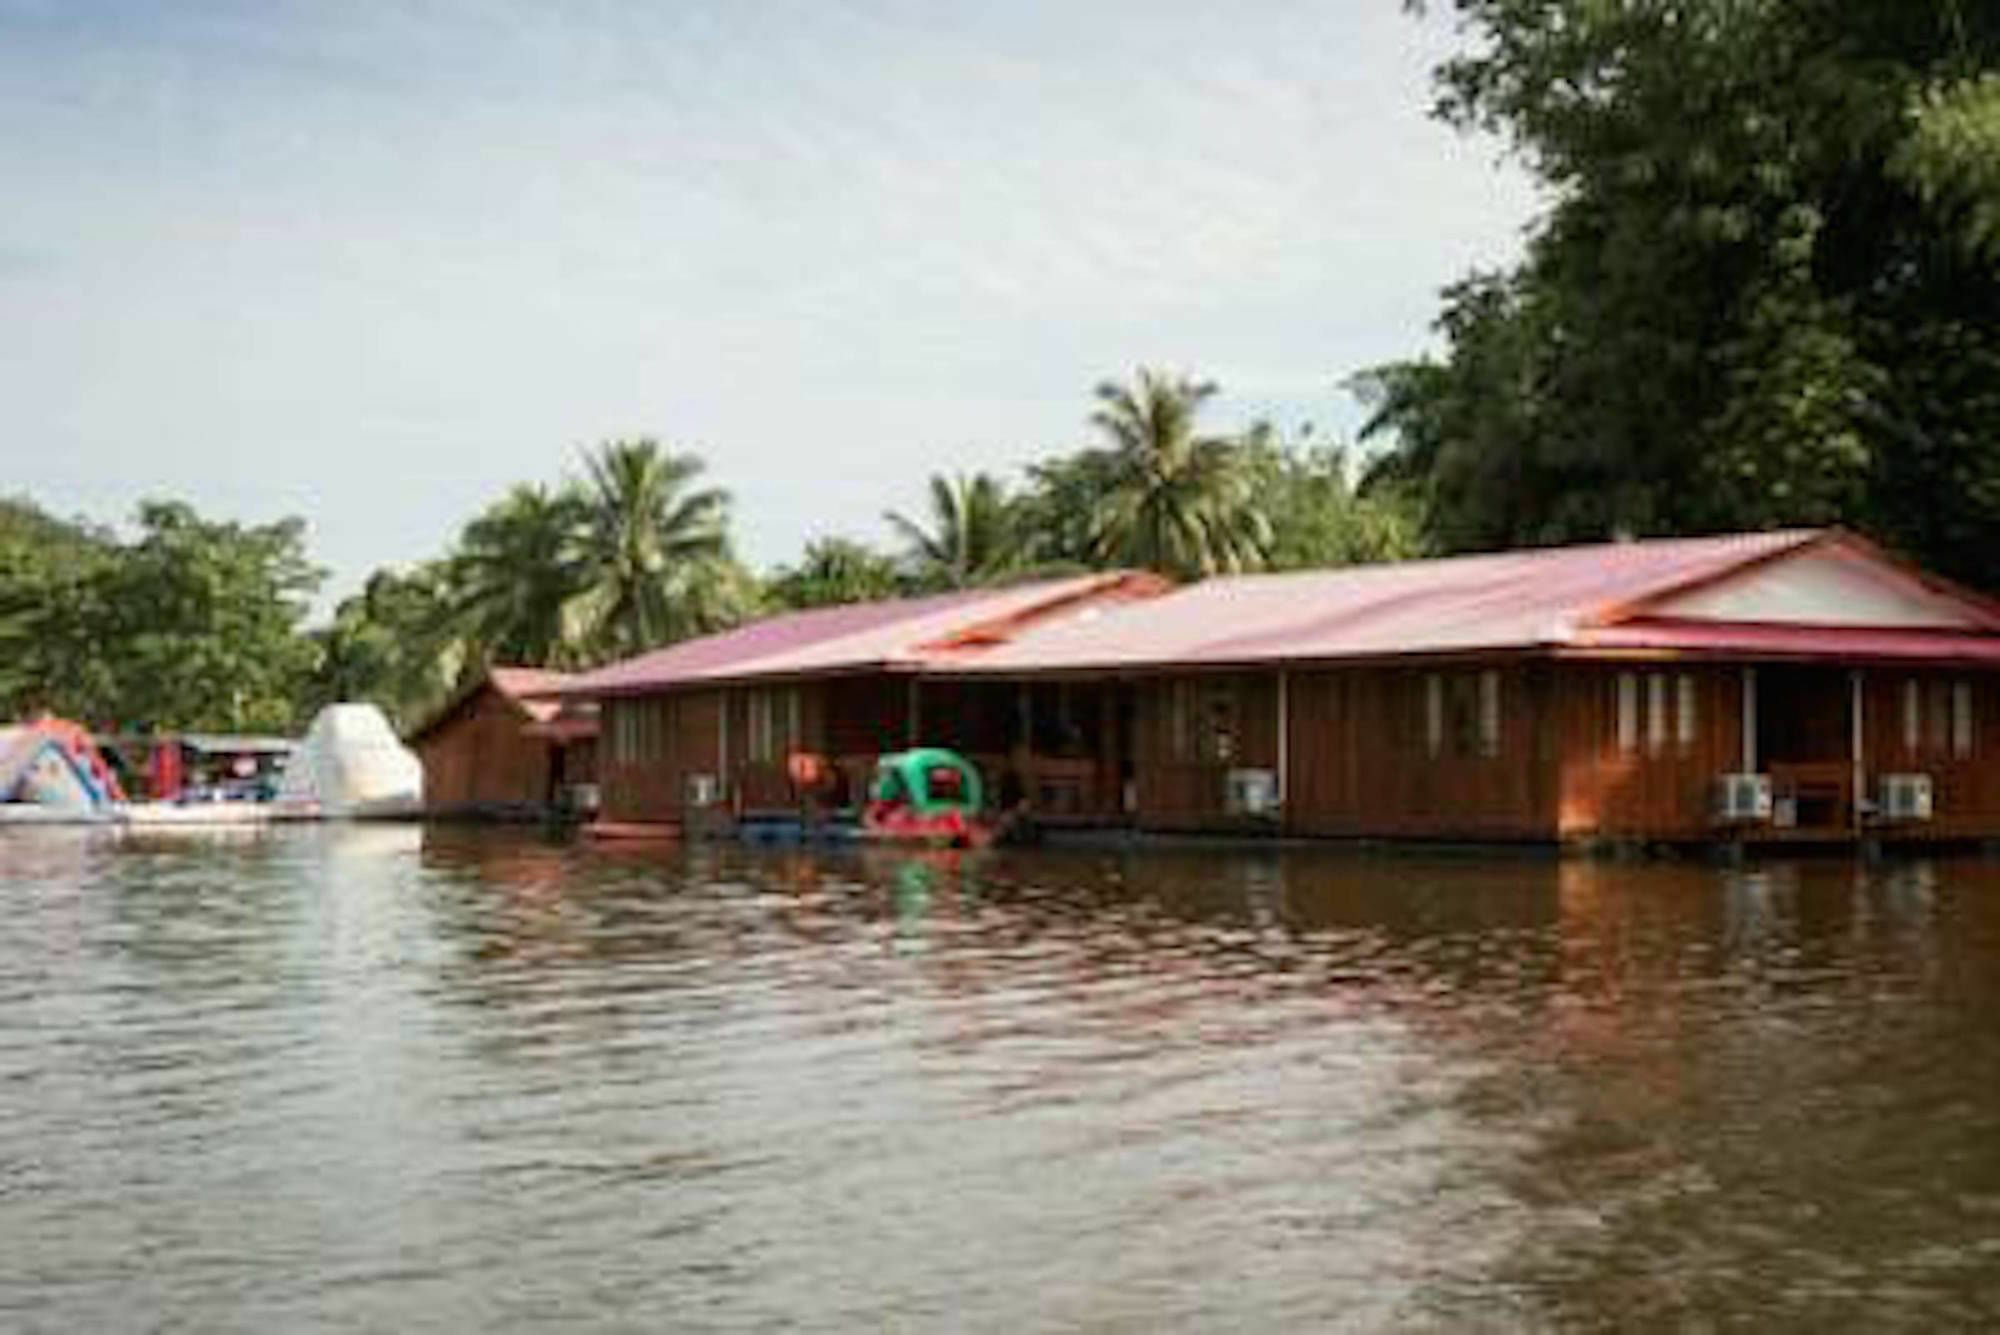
{"x":479,"y":758}
{"x":1362,"y":760}
{"x":1555,"y":765}
{"x":1967,"y":787}
{"x":648,"y":746}
{"x":1667,"y":791}
{"x":1180,"y":778}
{"x":1662,"y":785}
{"x":644,"y":764}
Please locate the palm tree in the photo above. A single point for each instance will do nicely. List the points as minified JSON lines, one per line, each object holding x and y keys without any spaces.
{"x":971,"y":537}
{"x":654,"y":551}
{"x":1176,"y":502}
{"x":516,"y":572}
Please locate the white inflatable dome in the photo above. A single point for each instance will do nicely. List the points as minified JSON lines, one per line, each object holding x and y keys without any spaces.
{"x":350,"y":764}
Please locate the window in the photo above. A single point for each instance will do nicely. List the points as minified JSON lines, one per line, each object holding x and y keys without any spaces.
{"x":772,"y":722}
{"x":1434,"y":714}
{"x":1628,"y":711}
{"x":1202,"y":722}
{"x":1218,"y":733}
{"x":1684,"y":714}
{"x":1656,"y":711}
{"x":1937,"y":718}
{"x":1961,"y":720}
{"x":1913,"y":717}
{"x":1489,"y":713}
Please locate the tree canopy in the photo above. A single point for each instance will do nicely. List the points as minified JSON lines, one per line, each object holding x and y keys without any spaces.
{"x":193,"y":624}
{"x":1763,"y":292}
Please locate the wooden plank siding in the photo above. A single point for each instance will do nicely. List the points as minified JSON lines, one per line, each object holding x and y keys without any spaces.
{"x":479,"y":758}
{"x":1657,"y":781}
{"x":648,"y":746}
{"x":1182,"y":761}
{"x":1556,"y":766}
{"x":651,"y":745}
{"x":1362,"y":762}
{"x":1966,"y":786}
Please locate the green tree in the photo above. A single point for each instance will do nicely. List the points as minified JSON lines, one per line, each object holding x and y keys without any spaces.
{"x":50,"y":580}
{"x":1762,"y":293}
{"x":517,"y":573}
{"x":198,"y":623}
{"x":834,"y":571}
{"x":396,"y":644}
{"x":1306,"y":491}
{"x":654,"y":555}
{"x":1174,"y":500}
{"x":970,"y":537}
{"x":1058,"y":510}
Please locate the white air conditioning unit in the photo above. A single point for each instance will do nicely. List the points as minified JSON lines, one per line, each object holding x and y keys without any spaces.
{"x":703,"y":790}
{"x":1907,"y":797}
{"x":1743,"y":799}
{"x":1251,"y":792}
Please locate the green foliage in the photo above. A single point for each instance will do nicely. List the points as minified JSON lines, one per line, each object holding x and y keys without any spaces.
{"x":193,"y":625}
{"x":834,"y":571}
{"x":1769,"y":218}
{"x":654,"y":556}
{"x":50,"y":580}
{"x":631,"y":556}
{"x":516,"y":574}
{"x":1317,"y":519}
{"x":1173,"y":501}
{"x":971,"y":537}
{"x":397,"y":643}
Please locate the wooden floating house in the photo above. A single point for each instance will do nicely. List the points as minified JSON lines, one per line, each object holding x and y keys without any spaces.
{"x":509,"y":746}
{"x":1786,"y":686}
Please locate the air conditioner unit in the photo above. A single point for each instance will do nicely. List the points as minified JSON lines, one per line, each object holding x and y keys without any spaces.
{"x":1251,"y":792}
{"x":703,"y":790}
{"x":1907,"y":797}
{"x":1743,"y":798}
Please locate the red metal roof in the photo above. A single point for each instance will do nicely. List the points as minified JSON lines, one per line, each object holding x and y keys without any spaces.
{"x":898,"y":634}
{"x":1601,"y":598}
{"x":1504,"y":601}
{"x":536,"y":692}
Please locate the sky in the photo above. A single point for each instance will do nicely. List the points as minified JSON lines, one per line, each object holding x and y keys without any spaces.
{"x":372,"y":262}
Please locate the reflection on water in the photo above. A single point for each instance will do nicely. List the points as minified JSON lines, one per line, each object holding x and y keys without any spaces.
{"x":383,"y":1078}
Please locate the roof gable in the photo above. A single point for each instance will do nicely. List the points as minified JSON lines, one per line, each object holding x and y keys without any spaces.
{"x":1836,"y":582}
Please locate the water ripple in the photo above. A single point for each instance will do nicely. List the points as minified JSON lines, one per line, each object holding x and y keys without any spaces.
{"x":382,"y":1078}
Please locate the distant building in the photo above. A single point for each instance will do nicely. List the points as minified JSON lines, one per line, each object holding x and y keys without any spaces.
{"x":508,"y":746}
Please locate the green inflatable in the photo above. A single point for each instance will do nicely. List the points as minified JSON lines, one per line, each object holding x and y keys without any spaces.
{"x":929,"y":780}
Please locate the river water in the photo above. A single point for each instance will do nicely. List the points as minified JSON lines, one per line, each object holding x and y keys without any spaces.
{"x":389,"y":1079}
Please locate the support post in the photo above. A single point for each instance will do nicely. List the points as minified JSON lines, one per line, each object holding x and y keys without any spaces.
{"x":1749,"y":720}
{"x":913,"y":704}
{"x":1284,"y":737}
{"x":722,"y":743}
{"x":1856,"y":743}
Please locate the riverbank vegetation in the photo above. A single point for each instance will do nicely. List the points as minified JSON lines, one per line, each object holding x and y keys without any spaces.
{"x":1766,"y":290}
{"x":195,"y":624}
